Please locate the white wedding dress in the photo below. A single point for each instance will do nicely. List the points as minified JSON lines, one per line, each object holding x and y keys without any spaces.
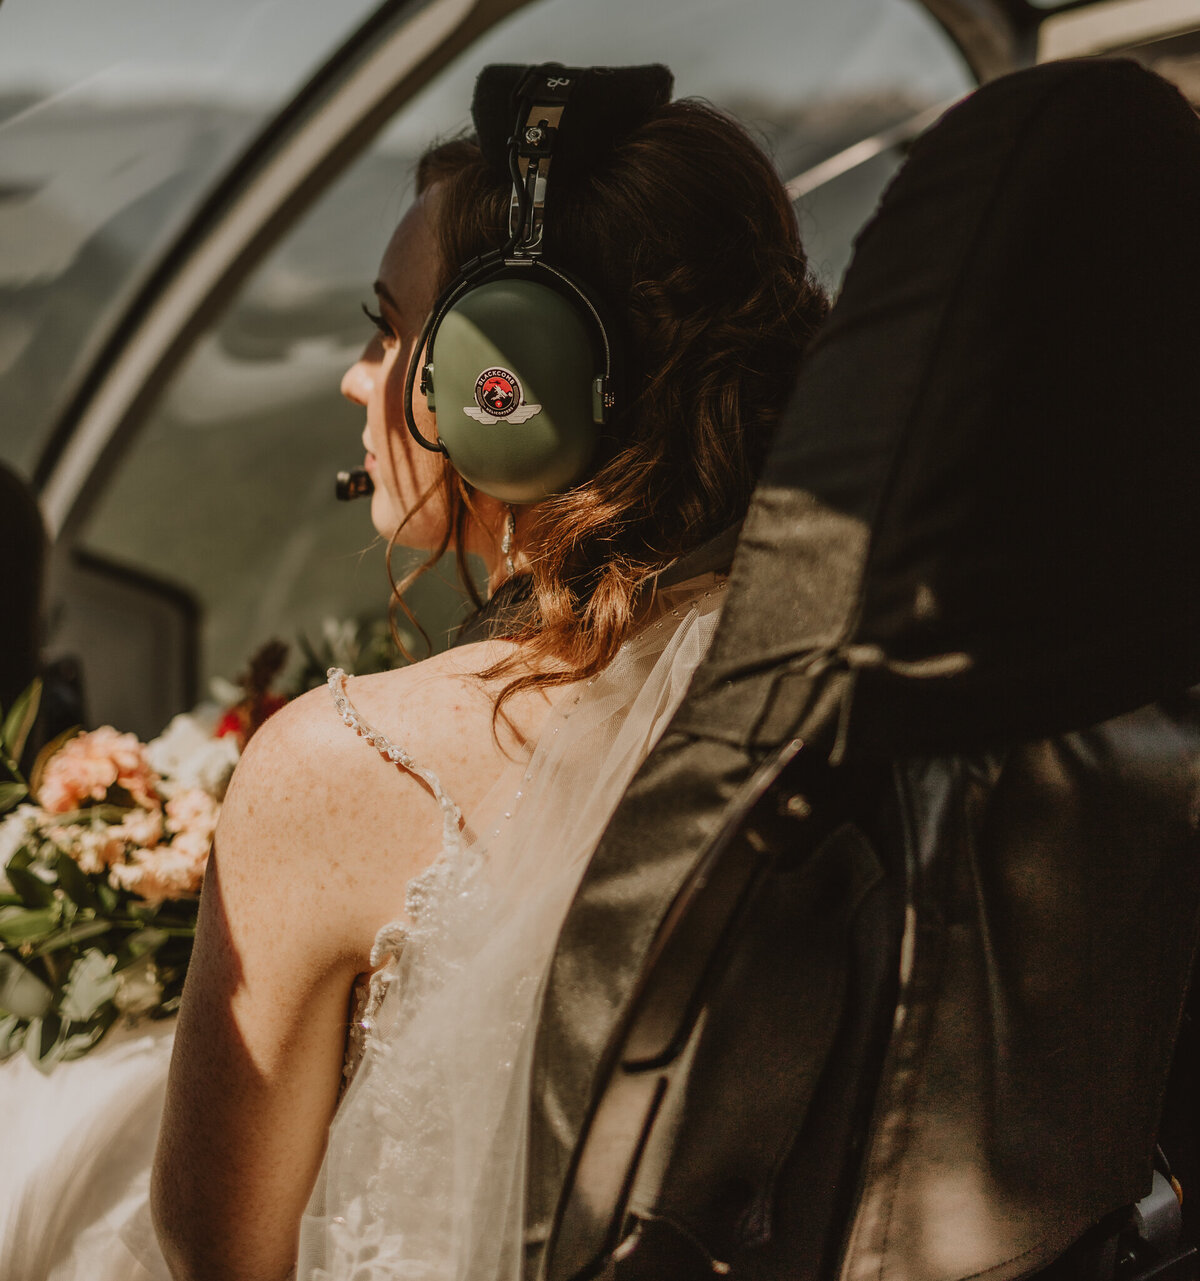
{"x":75,"y":1153}
{"x":423,"y":1175}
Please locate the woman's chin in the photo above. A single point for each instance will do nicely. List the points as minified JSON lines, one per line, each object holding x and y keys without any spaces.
{"x":417,"y":534}
{"x":383,"y":513}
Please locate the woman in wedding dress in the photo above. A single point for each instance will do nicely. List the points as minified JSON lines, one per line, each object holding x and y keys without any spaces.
{"x":403,"y":847}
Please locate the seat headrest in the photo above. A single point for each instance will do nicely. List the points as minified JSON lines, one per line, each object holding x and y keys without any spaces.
{"x":985,"y":487}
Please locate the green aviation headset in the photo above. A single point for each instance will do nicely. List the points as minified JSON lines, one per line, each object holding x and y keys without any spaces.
{"x":519,"y":364}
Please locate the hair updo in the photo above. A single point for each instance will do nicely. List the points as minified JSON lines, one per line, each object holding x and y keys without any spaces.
{"x":685,"y":233}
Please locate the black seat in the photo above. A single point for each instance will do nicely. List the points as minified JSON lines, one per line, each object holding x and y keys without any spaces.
{"x":24,"y":541}
{"x":878,"y":970}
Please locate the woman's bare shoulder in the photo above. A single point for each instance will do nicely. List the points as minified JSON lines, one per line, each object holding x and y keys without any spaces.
{"x":443,"y":705}
{"x":417,"y":707}
{"x":312,"y":794}
{"x":321,"y":832}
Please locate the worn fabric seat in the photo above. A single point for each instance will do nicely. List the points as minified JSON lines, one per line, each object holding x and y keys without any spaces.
{"x":878,"y":969}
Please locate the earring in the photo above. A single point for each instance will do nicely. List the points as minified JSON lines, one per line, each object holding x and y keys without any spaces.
{"x":506,"y":540}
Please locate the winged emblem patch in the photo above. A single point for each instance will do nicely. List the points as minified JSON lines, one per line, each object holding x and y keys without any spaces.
{"x":498,"y":397}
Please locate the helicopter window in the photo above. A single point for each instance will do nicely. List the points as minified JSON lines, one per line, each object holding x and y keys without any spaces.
{"x":108,"y":138}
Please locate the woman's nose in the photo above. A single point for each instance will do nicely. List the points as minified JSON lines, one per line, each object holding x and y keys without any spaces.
{"x":358,"y":382}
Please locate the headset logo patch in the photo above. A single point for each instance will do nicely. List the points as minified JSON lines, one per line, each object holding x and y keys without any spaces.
{"x":498,"y":396}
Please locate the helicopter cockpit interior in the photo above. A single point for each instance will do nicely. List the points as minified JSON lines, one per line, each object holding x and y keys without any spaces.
{"x":903,"y":993}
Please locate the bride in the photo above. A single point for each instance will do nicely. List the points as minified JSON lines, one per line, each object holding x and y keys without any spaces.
{"x":396,"y":852}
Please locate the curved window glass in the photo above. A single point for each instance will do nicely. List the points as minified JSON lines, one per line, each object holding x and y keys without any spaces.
{"x":114,"y":120}
{"x":226,"y":494}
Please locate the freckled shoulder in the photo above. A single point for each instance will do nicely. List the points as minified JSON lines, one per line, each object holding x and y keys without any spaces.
{"x":441,"y":712}
{"x":319,"y":834}
{"x":312,"y":802}
{"x":425,"y":702}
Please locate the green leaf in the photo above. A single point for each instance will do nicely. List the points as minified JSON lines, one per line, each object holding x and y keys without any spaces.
{"x":43,"y":757}
{"x":11,"y":794}
{"x":89,"y":986}
{"x":73,"y":934}
{"x":42,"y":1040}
{"x":109,"y":898}
{"x":73,"y":882}
{"x":20,"y":720}
{"x":22,"y":857}
{"x":27,"y":925}
{"x":12,"y":1035}
{"x":143,"y":943}
{"x":78,"y":1043}
{"x":88,"y":814}
{"x":22,"y":994}
{"x":33,"y":890}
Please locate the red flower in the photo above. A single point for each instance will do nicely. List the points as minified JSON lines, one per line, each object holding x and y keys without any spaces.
{"x":230,"y":723}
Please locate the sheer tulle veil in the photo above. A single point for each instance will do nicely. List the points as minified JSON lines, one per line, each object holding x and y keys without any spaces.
{"x":423,"y":1175}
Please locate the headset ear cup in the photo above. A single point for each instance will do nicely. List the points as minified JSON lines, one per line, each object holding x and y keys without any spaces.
{"x":514,"y":362}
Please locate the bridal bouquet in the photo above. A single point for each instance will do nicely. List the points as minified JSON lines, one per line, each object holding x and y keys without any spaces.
{"x":103,"y":850}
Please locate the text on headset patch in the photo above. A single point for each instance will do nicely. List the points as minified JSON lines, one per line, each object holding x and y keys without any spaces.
{"x":498,"y":395}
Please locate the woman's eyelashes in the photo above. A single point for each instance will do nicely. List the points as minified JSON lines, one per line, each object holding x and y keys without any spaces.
{"x":385,"y":330}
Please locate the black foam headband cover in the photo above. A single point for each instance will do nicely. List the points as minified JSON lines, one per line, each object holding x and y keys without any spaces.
{"x":606,"y":104}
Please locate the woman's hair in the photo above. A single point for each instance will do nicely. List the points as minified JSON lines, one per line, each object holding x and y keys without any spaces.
{"x":686,"y":235}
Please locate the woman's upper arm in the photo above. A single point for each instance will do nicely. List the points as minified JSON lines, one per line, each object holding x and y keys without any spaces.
{"x":306,"y":867}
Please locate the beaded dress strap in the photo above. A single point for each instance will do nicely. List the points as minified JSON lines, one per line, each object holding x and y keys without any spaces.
{"x":391,"y":939}
{"x":451,"y":814}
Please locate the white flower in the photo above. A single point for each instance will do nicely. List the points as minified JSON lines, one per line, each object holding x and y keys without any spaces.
{"x":223,"y":693}
{"x":15,"y":829}
{"x":187,"y":755}
{"x":341,"y":636}
{"x":138,"y":990}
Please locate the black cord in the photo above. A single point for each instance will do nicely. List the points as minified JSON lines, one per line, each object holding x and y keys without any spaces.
{"x":519,"y":188}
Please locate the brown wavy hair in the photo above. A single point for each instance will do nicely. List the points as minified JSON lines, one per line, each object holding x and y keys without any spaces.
{"x":686,"y":235}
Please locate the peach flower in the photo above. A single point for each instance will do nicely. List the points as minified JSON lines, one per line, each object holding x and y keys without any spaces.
{"x":193,"y":811}
{"x":161,"y":873}
{"x":195,"y":847}
{"x":157,"y":872}
{"x":141,"y":827}
{"x":89,"y":764}
{"x":94,"y":847}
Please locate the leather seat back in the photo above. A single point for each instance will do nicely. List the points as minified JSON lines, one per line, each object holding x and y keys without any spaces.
{"x":948,"y":699}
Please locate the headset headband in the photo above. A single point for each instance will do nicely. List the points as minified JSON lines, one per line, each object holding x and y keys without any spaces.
{"x":607,"y":103}
{"x":543,"y":97}
{"x":604,"y":104}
